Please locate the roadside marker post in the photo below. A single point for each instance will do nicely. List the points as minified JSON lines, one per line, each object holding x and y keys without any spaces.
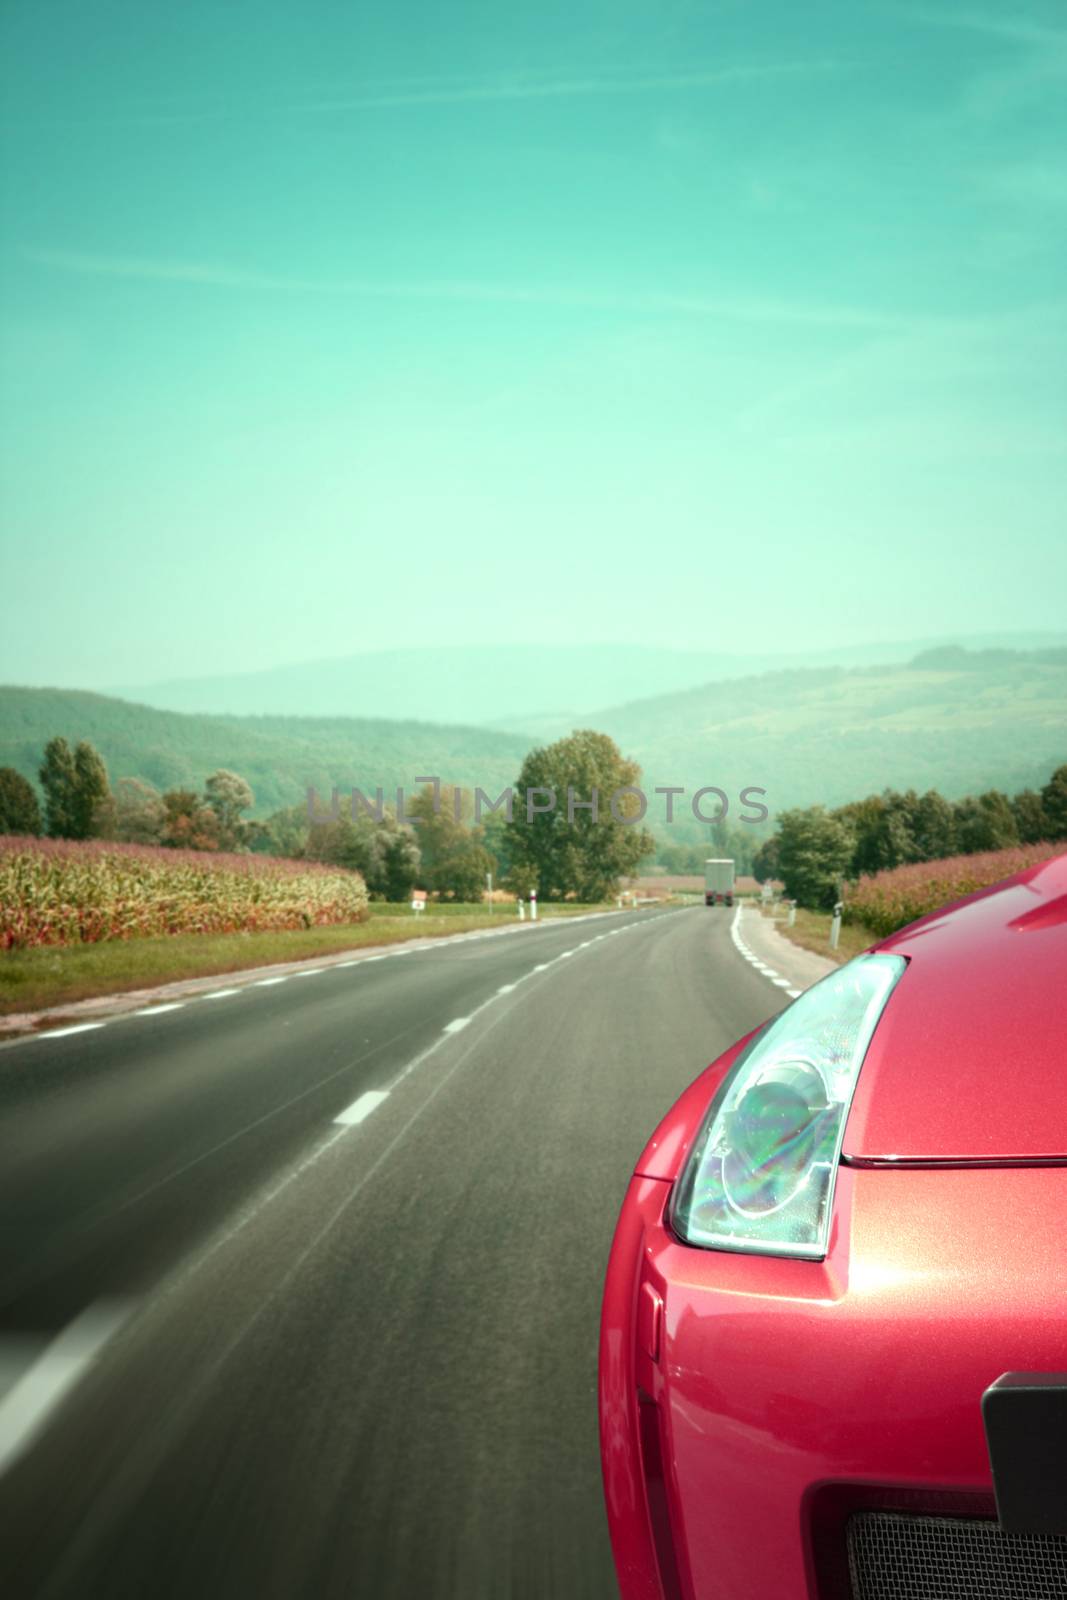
{"x":835,"y":926}
{"x":533,"y":905}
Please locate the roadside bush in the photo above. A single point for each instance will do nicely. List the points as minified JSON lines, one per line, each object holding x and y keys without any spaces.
{"x":890,"y":900}
{"x":61,"y":892}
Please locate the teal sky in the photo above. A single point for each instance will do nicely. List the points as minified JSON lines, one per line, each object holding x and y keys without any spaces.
{"x":336,"y":326}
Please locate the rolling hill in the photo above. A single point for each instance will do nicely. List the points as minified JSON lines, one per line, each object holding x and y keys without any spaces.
{"x":519,"y":687}
{"x":956,"y":720}
{"x":279,"y":756}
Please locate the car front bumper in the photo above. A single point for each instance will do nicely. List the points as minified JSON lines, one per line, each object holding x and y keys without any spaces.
{"x":751,"y":1405}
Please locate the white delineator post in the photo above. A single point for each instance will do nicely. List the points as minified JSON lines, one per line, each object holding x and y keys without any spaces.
{"x":522,"y":911}
{"x":533,"y":905}
{"x":835,"y":926}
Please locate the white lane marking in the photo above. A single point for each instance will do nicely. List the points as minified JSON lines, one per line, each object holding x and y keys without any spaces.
{"x":267,"y":983}
{"x":219,"y":994}
{"x":542,"y":966}
{"x":65,"y":1033}
{"x":457,"y":1025}
{"x":564,"y":954}
{"x":362,"y":1108}
{"x":346,"y":963}
{"x":157,"y":1011}
{"x":314,"y":973}
{"x":29,"y":1402}
{"x":760,"y":966}
{"x":506,"y":988}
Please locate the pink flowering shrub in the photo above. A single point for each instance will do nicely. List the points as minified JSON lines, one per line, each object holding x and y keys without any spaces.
{"x":61,"y":892}
{"x":886,"y":901}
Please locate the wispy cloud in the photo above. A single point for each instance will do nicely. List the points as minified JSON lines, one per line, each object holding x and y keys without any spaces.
{"x":413,"y":93}
{"x":224,"y":276}
{"x":568,"y":87}
{"x":1022,"y":30}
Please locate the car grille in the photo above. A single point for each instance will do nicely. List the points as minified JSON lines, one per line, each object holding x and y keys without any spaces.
{"x":897,"y":1557}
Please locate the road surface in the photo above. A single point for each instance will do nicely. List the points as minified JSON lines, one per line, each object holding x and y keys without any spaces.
{"x":309,"y":1272}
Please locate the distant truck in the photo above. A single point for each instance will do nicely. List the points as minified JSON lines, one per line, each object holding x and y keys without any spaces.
{"x":719,"y":882}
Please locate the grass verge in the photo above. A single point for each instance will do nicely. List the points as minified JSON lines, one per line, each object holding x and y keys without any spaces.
{"x":32,"y":980}
{"x":812,"y":932}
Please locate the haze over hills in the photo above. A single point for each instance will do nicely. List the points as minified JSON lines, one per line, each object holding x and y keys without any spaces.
{"x":956,"y":720}
{"x":521,"y":687}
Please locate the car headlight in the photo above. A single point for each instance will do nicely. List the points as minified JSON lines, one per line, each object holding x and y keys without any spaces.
{"x":761,"y":1174}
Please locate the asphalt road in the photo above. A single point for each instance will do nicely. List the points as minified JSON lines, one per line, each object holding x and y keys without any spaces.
{"x":340,"y":1358}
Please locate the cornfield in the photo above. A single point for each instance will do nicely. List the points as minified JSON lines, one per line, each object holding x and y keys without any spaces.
{"x":886,"y":901}
{"x":58,"y":892}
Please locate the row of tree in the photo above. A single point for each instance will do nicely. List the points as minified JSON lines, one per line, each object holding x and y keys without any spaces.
{"x":559,"y":849}
{"x":815,"y":849}
{"x":79,"y":803}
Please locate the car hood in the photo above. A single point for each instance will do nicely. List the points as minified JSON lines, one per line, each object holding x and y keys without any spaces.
{"x":969,"y":1060}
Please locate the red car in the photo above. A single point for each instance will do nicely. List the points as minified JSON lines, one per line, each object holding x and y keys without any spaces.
{"x":833,"y":1357}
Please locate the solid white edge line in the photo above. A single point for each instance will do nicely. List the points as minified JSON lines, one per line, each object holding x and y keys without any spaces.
{"x":362,"y":1107}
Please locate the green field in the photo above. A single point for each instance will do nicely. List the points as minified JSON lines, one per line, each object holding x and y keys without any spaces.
{"x":32,"y":980}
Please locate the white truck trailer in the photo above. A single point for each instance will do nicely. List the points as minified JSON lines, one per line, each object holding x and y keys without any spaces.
{"x":718,"y":881}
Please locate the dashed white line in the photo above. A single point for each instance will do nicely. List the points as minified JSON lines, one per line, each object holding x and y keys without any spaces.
{"x":314,"y":973}
{"x":457,"y":1025}
{"x":781,"y":983}
{"x":65,"y":1033}
{"x":794,"y":994}
{"x":506,"y":988}
{"x":219,"y":994}
{"x":26,"y":1406}
{"x":268,"y":983}
{"x":157,"y":1011}
{"x":360,"y":1109}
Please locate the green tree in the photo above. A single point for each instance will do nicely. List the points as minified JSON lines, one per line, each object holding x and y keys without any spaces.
{"x":137,"y":812}
{"x":566,"y":849}
{"x":454,"y":860}
{"x":59,"y":782}
{"x":188,"y":823}
{"x":815,"y":849}
{"x":935,"y":827}
{"x":19,"y":809}
{"x":284,"y":833}
{"x":386,"y":853}
{"x":400,"y":865}
{"x":1029,"y":814}
{"x":1054,"y":804}
{"x":228,"y":795}
{"x":985,"y":823}
{"x":765,"y":861}
{"x":91,"y":791}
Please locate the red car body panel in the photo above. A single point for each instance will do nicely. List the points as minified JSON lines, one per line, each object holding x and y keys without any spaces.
{"x":750,"y":1404}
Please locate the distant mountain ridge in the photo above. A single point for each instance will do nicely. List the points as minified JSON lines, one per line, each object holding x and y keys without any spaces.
{"x":519,"y":687}
{"x":958,"y":721}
